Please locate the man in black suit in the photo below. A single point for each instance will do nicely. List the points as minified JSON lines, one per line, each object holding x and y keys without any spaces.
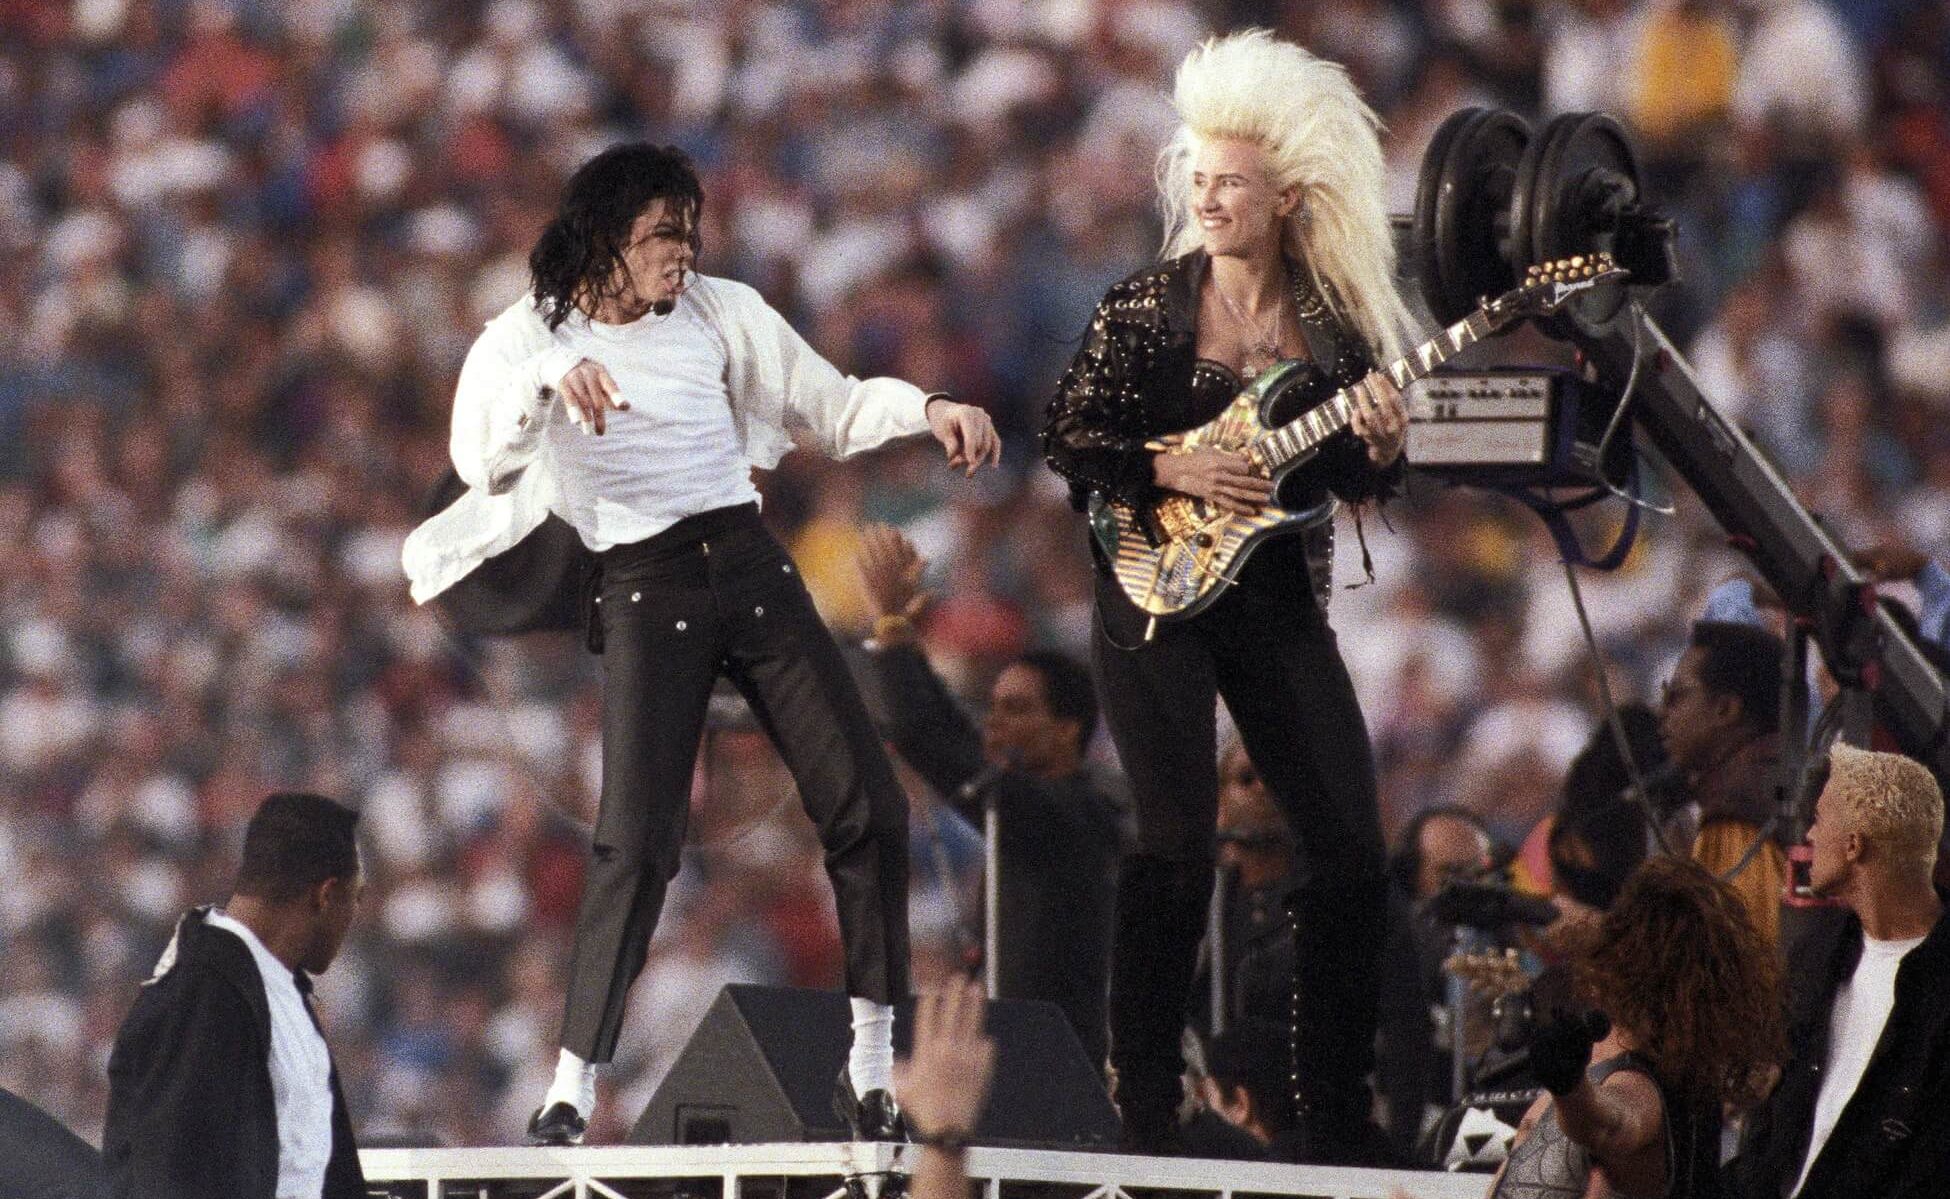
{"x":1060,"y":825}
{"x":220,"y":1082}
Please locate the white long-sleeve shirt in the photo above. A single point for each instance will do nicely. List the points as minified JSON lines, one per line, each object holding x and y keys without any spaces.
{"x":508,"y":418}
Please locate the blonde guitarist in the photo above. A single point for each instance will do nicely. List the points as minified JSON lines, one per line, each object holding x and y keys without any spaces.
{"x":1277,"y":248}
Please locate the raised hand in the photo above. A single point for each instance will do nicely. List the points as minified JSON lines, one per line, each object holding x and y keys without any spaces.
{"x":890,"y":570}
{"x":1225,"y":477}
{"x":946,"y":1081}
{"x":590,"y":390}
{"x":966,"y":432}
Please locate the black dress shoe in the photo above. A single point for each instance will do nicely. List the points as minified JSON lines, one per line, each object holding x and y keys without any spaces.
{"x":557,"y":1124}
{"x":873,"y":1116}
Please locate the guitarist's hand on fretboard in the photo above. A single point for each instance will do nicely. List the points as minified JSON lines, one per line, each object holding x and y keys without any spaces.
{"x":1224,"y":477}
{"x":1379,"y":418}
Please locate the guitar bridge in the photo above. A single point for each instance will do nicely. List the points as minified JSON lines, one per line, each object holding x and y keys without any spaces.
{"x":1178,"y":517}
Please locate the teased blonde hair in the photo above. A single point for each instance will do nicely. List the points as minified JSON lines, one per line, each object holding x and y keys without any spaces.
{"x":1890,"y":800}
{"x":1318,"y":134}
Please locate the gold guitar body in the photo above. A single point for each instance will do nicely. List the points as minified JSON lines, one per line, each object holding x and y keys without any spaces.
{"x":1176,"y":557}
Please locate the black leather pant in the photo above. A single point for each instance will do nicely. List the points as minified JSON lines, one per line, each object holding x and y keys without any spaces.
{"x":1267,"y":650}
{"x":715,"y":595}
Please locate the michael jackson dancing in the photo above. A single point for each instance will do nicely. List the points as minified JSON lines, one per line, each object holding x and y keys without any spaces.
{"x":1277,"y":247}
{"x":633,"y":398}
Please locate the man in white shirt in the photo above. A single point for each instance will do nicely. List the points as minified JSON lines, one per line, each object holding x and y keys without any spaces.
{"x":633,"y":398}
{"x":1863,"y":1107}
{"x":220,"y":1082}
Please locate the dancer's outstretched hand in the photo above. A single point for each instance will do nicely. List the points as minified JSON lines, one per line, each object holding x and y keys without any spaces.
{"x":590,"y":391}
{"x":966,"y":432}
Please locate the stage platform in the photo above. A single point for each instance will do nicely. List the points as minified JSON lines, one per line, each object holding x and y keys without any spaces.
{"x":817,"y":1170}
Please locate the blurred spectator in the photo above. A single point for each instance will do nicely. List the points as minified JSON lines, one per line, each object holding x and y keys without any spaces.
{"x":1245,"y":1081}
{"x":1413,"y":1063}
{"x":1720,"y":723}
{"x":1896,"y":563}
{"x":1801,"y":69}
{"x":1256,"y":864}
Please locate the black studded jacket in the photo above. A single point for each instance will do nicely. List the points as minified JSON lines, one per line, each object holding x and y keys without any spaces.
{"x":1137,"y":376}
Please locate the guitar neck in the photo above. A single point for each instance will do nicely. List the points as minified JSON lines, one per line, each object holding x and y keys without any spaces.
{"x":1305,"y":432}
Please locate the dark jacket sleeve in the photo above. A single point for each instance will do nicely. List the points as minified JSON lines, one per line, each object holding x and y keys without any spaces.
{"x":182,"y":1120}
{"x":929,"y":728}
{"x":1081,"y":432}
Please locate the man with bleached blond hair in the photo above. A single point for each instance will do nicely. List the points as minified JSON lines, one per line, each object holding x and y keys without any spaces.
{"x":1863,"y":1107}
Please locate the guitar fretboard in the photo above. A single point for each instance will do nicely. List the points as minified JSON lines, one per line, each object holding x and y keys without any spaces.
{"x":1304,"y":433}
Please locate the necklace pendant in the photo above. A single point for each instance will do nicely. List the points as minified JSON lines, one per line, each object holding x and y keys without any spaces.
{"x":1258,"y":359}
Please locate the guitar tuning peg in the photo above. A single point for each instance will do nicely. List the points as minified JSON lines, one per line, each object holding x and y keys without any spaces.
{"x":1577,"y":260}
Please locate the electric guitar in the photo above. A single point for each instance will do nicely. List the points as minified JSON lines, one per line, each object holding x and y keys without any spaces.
{"x":1176,"y":556}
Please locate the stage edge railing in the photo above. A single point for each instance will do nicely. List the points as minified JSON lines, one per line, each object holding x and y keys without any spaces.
{"x":620,"y":1172}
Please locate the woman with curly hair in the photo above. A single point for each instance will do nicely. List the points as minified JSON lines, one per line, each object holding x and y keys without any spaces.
{"x":1687,"y":1023}
{"x":1277,"y":248}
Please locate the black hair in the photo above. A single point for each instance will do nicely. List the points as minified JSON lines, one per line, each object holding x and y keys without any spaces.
{"x":1254,"y":1054}
{"x":1405,"y":864}
{"x":1744,"y":662}
{"x":295,"y":842}
{"x":577,"y":256}
{"x":1598,"y":775}
{"x":1614,"y":832}
{"x":1068,"y":690}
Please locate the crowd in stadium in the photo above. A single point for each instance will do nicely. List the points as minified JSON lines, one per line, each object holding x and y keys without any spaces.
{"x":244,"y":246}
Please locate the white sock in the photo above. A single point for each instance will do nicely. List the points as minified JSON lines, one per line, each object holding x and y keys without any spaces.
{"x":575,"y":1085}
{"x":870,"y":1063}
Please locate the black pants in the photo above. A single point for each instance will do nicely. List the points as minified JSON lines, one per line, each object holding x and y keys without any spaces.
{"x":1264,"y":647}
{"x":716,"y":595}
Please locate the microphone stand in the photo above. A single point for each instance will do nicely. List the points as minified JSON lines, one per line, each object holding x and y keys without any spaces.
{"x":991,"y":894}
{"x":982,"y":785}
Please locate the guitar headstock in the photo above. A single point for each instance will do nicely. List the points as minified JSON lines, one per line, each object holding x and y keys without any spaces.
{"x":1548,"y":286}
